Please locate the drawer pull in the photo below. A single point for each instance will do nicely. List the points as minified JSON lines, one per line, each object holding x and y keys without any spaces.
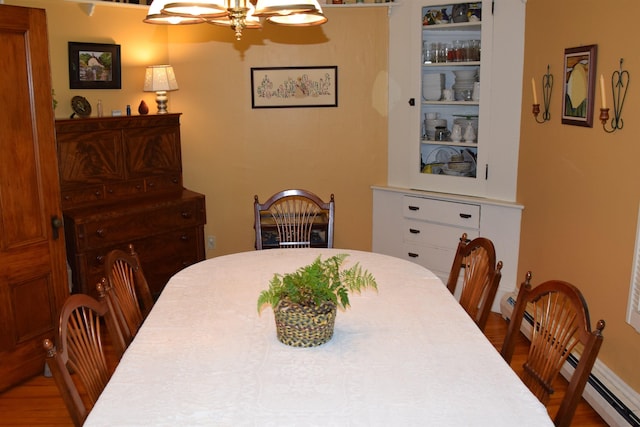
{"x":465,"y":216}
{"x":184,"y":238}
{"x":412,"y":255}
{"x":98,"y":193}
{"x":414,"y":208}
{"x":414,"y":231}
{"x":100,"y":232}
{"x":100,"y":260}
{"x":151,"y":184}
{"x":186,"y":214}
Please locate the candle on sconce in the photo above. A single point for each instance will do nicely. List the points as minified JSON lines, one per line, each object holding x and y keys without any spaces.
{"x":604,"y":99}
{"x":533,"y":89}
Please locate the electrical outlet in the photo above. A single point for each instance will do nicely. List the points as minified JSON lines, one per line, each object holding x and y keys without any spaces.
{"x":211,"y":242}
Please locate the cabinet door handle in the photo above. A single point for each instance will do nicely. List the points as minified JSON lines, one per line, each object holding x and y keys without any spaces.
{"x":100,"y":232}
{"x":412,"y":254}
{"x":414,"y":231}
{"x":412,"y":101}
{"x":184,"y":237}
{"x":465,"y":216}
{"x":414,"y":208}
{"x":186,"y":214}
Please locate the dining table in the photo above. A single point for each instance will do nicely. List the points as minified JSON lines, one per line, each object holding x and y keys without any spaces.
{"x":406,"y":354}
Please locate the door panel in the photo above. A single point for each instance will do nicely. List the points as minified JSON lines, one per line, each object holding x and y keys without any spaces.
{"x":33,"y":276}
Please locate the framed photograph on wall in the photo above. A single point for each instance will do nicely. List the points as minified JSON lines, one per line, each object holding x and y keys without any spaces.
{"x":94,"y":66}
{"x":287,"y":87}
{"x":578,"y":87}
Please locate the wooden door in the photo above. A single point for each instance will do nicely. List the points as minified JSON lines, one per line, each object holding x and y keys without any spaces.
{"x":33,"y":276}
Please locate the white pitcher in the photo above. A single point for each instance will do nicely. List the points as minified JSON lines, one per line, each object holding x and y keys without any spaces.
{"x":469,"y":134}
{"x":456,"y":133}
{"x":476,"y":92}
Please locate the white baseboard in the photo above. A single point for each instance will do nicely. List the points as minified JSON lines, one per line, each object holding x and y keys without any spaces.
{"x":616,"y":402}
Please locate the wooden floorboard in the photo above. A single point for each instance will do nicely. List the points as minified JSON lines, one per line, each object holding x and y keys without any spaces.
{"x":38,"y":403}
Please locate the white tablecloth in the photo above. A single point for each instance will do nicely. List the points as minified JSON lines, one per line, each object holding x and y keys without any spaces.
{"x":407,"y":355}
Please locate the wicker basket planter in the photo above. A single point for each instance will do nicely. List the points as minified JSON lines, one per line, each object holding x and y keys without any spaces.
{"x":304,"y":302}
{"x":304,"y":326}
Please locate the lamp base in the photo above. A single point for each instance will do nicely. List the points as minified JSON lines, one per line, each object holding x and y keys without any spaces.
{"x":161,"y":100}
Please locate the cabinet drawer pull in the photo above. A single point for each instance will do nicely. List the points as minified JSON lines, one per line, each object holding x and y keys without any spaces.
{"x":465,"y":216}
{"x":186,"y":214}
{"x":414,"y":231}
{"x":100,"y":232}
{"x":184,"y":238}
{"x":100,"y":260}
{"x":412,"y":254}
{"x":414,"y":208}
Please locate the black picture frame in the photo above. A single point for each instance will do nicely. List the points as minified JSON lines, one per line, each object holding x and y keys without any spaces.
{"x":94,"y":66}
{"x":294,"y":87}
{"x":579,"y":85}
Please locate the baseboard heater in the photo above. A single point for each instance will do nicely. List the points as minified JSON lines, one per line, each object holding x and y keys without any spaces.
{"x":610,"y":397}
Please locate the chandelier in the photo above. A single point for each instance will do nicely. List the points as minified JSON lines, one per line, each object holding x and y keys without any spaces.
{"x":236,"y":14}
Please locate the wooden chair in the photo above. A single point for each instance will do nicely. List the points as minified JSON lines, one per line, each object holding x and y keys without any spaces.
{"x":295,"y":215}
{"x":560,"y":324}
{"x":126,"y":291}
{"x":480,"y":279}
{"x":78,"y":349}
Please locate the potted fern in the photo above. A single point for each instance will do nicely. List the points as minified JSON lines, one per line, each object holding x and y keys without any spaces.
{"x":304,"y":302}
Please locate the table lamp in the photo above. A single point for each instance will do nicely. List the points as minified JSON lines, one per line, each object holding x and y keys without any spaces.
{"x":160,"y":79}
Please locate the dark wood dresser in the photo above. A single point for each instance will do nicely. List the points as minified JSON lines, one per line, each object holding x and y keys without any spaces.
{"x":121,"y":183}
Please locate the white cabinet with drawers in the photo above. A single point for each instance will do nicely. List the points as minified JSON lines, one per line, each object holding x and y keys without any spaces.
{"x":425,"y":227}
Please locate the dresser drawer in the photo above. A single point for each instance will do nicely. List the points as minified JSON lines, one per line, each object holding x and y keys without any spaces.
{"x":436,"y":259}
{"x":133,"y":225}
{"x":432,"y":234}
{"x":88,"y":194}
{"x":440,"y":211}
{"x":161,"y":257}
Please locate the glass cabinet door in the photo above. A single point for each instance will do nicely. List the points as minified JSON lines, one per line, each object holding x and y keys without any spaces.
{"x":452,"y":56}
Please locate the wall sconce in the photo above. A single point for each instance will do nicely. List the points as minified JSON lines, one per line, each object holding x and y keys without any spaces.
{"x":547,"y":87}
{"x":619,"y":86}
{"x":160,"y":79}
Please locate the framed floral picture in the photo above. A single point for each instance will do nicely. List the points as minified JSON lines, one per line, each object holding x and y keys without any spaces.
{"x":579,"y":85}
{"x":287,"y":87}
{"x":94,"y":66}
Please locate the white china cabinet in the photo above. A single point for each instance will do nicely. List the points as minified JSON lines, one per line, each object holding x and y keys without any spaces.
{"x":441,"y":185}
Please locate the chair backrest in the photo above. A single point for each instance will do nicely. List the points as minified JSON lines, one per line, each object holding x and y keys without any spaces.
{"x":296,"y":215}
{"x":560,"y":325}
{"x":480,"y":279}
{"x":78,"y":348}
{"x":126,"y":290}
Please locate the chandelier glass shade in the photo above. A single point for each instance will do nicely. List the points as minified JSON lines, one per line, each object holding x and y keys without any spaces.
{"x":236,"y":14}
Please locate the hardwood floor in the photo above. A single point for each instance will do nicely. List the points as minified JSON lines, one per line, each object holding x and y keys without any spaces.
{"x":38,"y":403}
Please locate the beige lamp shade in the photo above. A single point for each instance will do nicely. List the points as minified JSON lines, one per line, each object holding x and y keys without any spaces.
{"x":160,"y":79}
{"x":201,"y":8}
{"x":286,"y":7}
{"x":298,"y":19}
{"x":155,"y":15}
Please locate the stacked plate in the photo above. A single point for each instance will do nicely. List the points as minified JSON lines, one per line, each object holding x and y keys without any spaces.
{"x":430,"y":127}
{"x":463,"y":86}
{"x":432,"y":85}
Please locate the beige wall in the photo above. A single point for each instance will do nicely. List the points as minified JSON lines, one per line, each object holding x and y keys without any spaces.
{"x":232,"y":151}
{"x":579,"y":185}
